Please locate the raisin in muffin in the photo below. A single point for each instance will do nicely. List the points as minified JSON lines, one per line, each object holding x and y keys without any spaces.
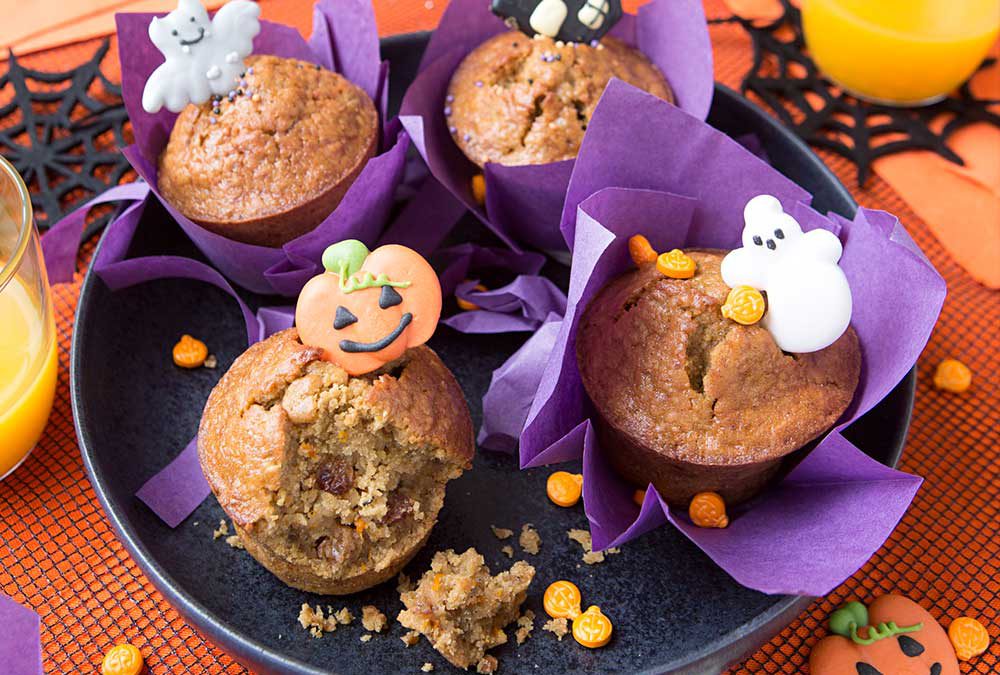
{"x":691,"y":401}
{"x":461,"y":609}
{"x":273,"y":161}
{"x":517,"y":100}
{"x":333,"y":482}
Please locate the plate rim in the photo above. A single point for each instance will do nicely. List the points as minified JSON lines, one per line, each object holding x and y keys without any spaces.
{"x":244,"y":648}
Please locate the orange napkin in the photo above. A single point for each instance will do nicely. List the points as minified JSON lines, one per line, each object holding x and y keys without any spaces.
{"x":36,"y":25}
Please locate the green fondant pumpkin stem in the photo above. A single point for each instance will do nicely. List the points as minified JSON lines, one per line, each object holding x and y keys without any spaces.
{"x":882,"y":631}
{"x":345,"y":259}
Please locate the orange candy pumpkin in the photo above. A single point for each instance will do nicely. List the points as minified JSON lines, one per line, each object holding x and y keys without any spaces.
{"x":190,"y":353}
{"x":467,"y":306}
{"x":745,"y":305}
{"x":676,"y":264}
{"x":969,"y":637}
{"x":478,"y":184}
{"x":641,"y":250}
{"x":708,"y":509}
{"x":893,"y":635}
{"x":952,"y":375}
{"x":369,"y":307}
{"x":123,"y":659}
{"x":562,"y":600}
{"x":564,"y":488}
{"x":592,"y":628}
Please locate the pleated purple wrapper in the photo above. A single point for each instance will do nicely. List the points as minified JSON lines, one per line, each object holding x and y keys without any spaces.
{"x":826,"y":518}
{"x":524,"y":203}
{"x":344,"y":39}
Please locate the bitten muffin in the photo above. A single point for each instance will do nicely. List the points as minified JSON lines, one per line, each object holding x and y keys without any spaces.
{"x":691,"y":401}
{"x":333,"y":482}
{"x":273,"y":160}
{"x":461,"y":609}
{"x":517,"y":100}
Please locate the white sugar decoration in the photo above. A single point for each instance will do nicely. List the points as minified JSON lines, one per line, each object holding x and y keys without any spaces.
{"x":808,"y":296}
{"x":548,"y":17}
{"x":203,"y":57}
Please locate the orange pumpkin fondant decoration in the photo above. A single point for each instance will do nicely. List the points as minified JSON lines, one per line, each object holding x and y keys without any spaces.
{"x":676,"y":264}
{"x":744,"y":305}
{"x":641,"y":250}
{"x":369,"y":307}
{"x":969,"y":637}
{"x":190,"y":353}
{"x":893,"y":635}
{"x":952,"y":375}
{"x":562,"y":600}
{"x":564,"y":488}
{"x":592,"y":628}
{"x":479,"y":189}
{"x":123,"y":659}
{"x":708,"y":509}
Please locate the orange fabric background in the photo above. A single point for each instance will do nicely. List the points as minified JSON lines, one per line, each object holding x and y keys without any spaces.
{"x":59,"y":555}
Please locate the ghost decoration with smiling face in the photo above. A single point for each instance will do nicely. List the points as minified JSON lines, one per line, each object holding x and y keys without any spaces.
{"x":204,"y":57}
{"x":808,"y":296}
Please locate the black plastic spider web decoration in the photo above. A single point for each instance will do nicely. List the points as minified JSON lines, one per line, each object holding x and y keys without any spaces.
{"x":871,"y":130}
{"x":63,"y":132}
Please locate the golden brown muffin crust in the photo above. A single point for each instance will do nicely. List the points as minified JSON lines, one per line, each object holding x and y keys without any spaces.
{"x":666,"y":370}
{"x":517,"y":100}
{"x":300,"y":131}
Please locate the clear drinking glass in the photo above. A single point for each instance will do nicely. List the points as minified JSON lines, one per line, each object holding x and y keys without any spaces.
{"x":28,"y":352}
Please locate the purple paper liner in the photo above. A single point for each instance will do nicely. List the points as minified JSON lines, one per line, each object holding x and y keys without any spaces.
{"x":20,"y":639}
{"x":524,"y":203}
{"x":826,"y":518}
{"x":345,"y":37}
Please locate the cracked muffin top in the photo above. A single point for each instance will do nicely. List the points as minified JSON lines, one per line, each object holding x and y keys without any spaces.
{"x":517,"y":100}
{"x":663,"y":366}
{"x":294,"y":131}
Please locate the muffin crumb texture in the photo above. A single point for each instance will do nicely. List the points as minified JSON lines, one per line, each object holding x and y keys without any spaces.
{"x":372,"y":619}
{"x":333,"y":482}
{"x":558,"y":627}
{"x":461,"y":609}
{"x":530,"y":540}
{"x":501,"y":532}
{"x":590,"y":556}
{"x":516,"y":100}
{"x":525,"y":624}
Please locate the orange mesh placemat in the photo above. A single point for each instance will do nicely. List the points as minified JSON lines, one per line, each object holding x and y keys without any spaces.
{"x":59,"y":555}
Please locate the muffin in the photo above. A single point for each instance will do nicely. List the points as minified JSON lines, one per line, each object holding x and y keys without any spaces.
{"x":461,"y":609}
{"x":517,"y":100}
{"x":333,"y":482}
{"x":691,"y":401}
{"x":272,"y":160}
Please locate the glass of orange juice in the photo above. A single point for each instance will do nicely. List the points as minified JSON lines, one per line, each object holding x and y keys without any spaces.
{"x":900,"y":52}
{"x":28,"y":354}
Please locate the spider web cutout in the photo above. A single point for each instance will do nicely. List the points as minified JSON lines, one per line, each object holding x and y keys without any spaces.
{"x":784,"y":78}
{"x":63,"y":132}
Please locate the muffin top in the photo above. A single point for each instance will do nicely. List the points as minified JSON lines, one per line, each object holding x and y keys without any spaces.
{"x":295,"y":131}
{"x":662,"y":365}
{"x":517,"y":100}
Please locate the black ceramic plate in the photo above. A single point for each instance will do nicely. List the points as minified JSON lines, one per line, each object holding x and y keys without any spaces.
{"x":673,"y":610}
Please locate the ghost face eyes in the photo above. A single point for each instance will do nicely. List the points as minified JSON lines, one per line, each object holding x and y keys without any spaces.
{"x":772,"y":244}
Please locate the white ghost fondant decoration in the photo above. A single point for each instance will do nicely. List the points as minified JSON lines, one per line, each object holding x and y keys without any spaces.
{"x":808,"y":296}
{"x":204,"y":57}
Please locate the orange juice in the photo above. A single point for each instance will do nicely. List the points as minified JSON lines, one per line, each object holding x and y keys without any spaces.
{"x":902,"y":52}
{"x":28,"y":369}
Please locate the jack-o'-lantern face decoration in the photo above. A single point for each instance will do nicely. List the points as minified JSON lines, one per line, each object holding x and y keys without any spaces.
{"x":895,"y":636}
{"x":369,"y":307}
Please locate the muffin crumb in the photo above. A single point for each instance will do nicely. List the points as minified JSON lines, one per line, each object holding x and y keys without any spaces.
{"x":403,"y":583}
{"x":427,"y":667}
{"x":343,"y":616}
{"x":211,"y":362}
{"x":590,"y":556}
{"x":487,"y":665}
{"x":411,"y":638}
{"x":372,"y":619}
{"x":366,"y":637}
{"x":222,"y":530}
{"x":508,"y":551}
{"x":461,"y":608}
{"x":315,"y":621}
{"x":234,"y":541}
{"x":525,"y":624}
{"x":529,"y":540}
{"x":501,"y":532}
{"x":558,"y":627}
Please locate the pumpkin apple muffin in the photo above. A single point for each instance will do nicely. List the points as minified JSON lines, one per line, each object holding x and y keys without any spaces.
{"x":333,"y":482}
{"x":517,"y":100}
{"x":461,"y":609}
{"x":274,"y":158}
{"x":694,"y":402}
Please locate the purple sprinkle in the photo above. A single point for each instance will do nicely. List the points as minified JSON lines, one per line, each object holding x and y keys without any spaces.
{"x":466,"y":137}
{"x":447,"y":111}
{"x":211,"y":120}
{"x":449,"y":98}
{"x":594,"y":43}
{"x":249,"y":91}
{"x":243,"y":83}
{"x":479,"y":83}
{"x":250,"y":70}
{"x":232,"y":93}
{"x":452,"y":129}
